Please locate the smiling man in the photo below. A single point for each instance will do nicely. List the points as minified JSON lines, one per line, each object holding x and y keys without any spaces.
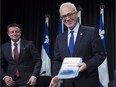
{"x":21,"y":59}
{"x":77,"y":41}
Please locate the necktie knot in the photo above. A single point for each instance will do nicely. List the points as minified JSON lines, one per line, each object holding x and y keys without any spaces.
{"x":15,"y":44}
{"x":71,"y":32}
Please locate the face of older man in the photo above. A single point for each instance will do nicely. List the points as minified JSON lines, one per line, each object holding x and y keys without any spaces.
{"x":69,"y":16}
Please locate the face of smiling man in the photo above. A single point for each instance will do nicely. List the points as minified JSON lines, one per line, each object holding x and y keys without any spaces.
{"x":14,"y":33}
{"x":68,"y":15}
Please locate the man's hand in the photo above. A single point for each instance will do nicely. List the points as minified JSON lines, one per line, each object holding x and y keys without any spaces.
{"x":54,"y":81}
{"x":32,"y":80}
{"x":9,"y":81}
{"x":82,"y":66}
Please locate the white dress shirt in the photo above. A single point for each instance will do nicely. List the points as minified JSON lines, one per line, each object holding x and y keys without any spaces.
{"x":76,"y":28}
{"x":12,"y":47}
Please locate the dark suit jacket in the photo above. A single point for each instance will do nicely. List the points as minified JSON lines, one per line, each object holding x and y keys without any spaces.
{"x":29,"y":62}
{"x":88,"y":46}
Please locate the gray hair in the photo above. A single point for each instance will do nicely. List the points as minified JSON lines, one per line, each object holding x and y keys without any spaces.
{"x":68,"y":4}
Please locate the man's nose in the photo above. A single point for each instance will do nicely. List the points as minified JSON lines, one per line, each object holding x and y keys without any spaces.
{"x":15,"y":33}
{"x":67,"y":17}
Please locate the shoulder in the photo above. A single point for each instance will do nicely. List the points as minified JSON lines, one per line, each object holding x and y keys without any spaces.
{"x":63,"y":34}
{"x":26,"y":41}
{"x":87,"y":27}
{"x":6,"y":44}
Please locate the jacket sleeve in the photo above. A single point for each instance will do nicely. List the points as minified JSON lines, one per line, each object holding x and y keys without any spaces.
{"x":37,"y":59}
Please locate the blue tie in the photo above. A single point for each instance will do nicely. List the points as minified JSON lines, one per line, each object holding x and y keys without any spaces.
{"x":71,"y":43}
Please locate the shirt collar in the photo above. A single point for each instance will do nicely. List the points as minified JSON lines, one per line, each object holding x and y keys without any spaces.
{"x":75,"y":29}
{"x":18,"y":42}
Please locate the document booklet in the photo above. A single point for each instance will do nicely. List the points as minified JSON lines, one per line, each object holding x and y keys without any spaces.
{"x":69,"y":68}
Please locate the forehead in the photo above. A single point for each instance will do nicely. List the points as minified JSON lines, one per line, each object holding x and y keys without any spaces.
{"x":66,"y":9}
{"x":13,"y":29}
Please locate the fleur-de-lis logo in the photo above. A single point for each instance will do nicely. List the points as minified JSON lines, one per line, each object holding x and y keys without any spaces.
{"x":101,"y":33}
{"x":46,"y":39}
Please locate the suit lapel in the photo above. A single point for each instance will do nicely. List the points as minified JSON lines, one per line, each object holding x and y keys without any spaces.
{"x":22,"y":48}
{"x":78,"y":39}
{"x":65,"y":39}
{"x":9,"y":50}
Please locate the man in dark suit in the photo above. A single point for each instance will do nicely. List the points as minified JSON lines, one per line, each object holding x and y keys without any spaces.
{"x":87,"y":45}
{"x":20,"y":60}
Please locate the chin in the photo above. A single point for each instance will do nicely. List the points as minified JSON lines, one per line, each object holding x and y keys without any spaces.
{"x":70,"y":26}
{"x":15,"y":40}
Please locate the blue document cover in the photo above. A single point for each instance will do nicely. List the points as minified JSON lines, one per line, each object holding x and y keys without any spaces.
{"x":69,"y":68}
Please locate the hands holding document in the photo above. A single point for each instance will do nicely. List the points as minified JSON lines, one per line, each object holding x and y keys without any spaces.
{"x":69,"y":69}
{"x":82,"y":66}
{"x":54,"y":81}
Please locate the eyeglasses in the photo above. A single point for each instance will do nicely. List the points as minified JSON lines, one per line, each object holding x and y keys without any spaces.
{"x":69,"y":15}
